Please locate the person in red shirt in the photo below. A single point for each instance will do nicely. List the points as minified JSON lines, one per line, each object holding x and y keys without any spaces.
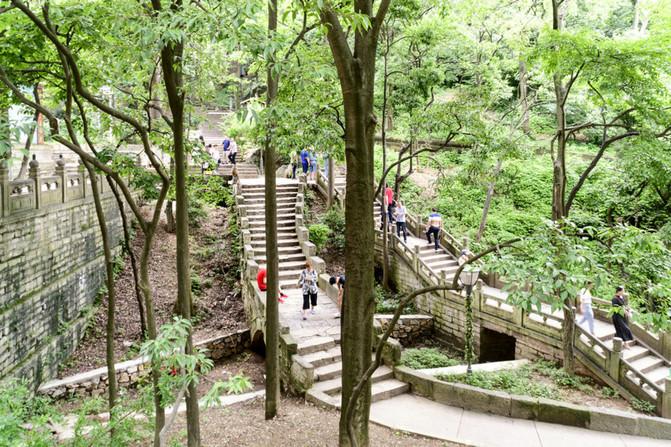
{"x":261,"y":281}
{"x":388,"y":203}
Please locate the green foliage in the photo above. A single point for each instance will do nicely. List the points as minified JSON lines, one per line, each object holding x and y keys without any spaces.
{"x":609,"y":393}
{"x":643,"y":406}
{"x":334,"y":219}
{"x":319,"y":235}
{"x":210,"y":190}
{"x":516,"y":381}
{"x":424,"y":358}
{"x":386,"y":302}
{"x":196,"y":286}
{"x":20,"y":409}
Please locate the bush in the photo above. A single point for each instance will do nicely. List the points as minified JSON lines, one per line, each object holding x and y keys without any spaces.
{"x":19,"y":408}
{"x":211,"y":190}
{"x":319,"y":235}
{"x":335,"y":220}
{"x":516,"y":381}
{"x":422,"y":358}
{"x":643,"y":406}
{"x":386,"y":302}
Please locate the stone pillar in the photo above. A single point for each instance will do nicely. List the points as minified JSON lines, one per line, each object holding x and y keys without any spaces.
{"x":60,"y":173}
{"x":4,"y":188}
{"x":40,"y":118}
{"x":666,"y":344}
{"x":665,"y":411}
{"x":34,"y":174}
{"x":477,"y":297}
{"x":415,"y":260}
{"x":614,"y":359}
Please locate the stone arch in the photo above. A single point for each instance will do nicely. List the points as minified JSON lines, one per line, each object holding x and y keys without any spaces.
{"x":258,"y":344}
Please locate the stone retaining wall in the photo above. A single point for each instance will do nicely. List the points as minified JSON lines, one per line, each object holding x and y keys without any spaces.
{"x":94,"y":382}
{"x":409,"y":327}
{"x":51,"y":269}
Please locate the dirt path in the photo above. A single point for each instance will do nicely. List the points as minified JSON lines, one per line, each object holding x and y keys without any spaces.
{"x":299,"y":424}
{"x":217,"y":296}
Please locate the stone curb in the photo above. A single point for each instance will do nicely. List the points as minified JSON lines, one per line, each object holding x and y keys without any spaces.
{"x":543,"y":410}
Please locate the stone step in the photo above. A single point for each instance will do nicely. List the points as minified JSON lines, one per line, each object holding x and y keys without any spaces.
{"x":333,"y":386}
{"x":658,"y":375}
{"x":286,"y":258}
{"x":327,"y":372}
{"x":261,"y":235}
{"x":280,"y":223}
{"x":634,"y":353}
{"x":314,"y":344}
{"x":385,"y":389}
{"x":260,"y":189}
{"x":322,"y":358}
{"x":647,"y":363}
{"x":280,"y":242}
{"x":262,"y":206}
{"x":254,"y":213}
{"x":261,"y":199}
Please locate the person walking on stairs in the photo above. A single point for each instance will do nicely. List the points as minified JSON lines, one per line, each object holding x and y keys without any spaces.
{"x":233,"y":151}
{"x":308,"y":282}
{"x":620,"y":314}
{"x":433,"y":226}
{"x":227,"y":147}
{"x":401,"y":226}
{"x":305,"y":160}
{"x":585,"y":306}
{"x":388,"y":204}
{"x":340,"y":283}
{"x":294,"y":164}
{"x":261,"y":282}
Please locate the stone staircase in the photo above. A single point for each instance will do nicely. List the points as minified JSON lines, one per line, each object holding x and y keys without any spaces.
{"x":439,"y":261}
{"x":318,"y":337}
{"x":245,"y":170}
{"x":642,"y":370}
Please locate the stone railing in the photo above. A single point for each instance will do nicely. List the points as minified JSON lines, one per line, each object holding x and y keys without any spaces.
{"x":42,"y":189}
{"x":606,"y":363}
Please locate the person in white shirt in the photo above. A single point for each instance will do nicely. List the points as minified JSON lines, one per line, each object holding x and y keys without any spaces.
{"x":585,"y":306}
{"x":233,"y":151}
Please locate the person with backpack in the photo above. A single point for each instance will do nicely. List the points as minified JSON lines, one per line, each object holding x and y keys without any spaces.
{"x":308,"y":282}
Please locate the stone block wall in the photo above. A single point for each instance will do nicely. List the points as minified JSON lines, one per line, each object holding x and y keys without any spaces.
{"x":94,"y":382}
{"x":409,"y":328}
{"x":51,"y":268}
{"x":449,"y":318}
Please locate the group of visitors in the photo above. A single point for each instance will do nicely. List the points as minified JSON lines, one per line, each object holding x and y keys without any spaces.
{"x":230,"y":148}
{"x":621,"y":313}
{"x":308,"y":282}
{"x":308,"y":161}
{"x":395,"y":211}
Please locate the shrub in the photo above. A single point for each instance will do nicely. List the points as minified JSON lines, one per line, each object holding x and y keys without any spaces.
{"x":516,"y":381}
{"x":211,"y":190}
{"x":319,"y":235}
{"x":20,"y":409}
{"x":335,"y":220}
{"x":422,"y":358}
{"x":643,"y":406}
{"x":386,"y":302}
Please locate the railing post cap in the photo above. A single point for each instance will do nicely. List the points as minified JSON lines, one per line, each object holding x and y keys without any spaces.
{"x":60,"y":162}
{"x":617,"y":344}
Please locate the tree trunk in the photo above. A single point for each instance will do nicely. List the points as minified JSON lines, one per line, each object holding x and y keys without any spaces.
{"x":111,"y":292}
{"x":524,"y":102}
{"x":488,"y":200}
{"x":172,"y":61}
{"x":331,"y":191}
{"x":29,"y":138}
{"x":568,"y":333}
{"x":170,"y":224}
{"x":559,"y":184}
{"x":272,"y":255}
{"x":128,"y":248}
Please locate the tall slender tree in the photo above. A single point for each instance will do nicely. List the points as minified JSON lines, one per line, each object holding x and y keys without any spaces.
{"x":272,"y":255}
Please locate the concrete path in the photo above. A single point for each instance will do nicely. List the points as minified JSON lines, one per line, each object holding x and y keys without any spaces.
{"x":428,"y":418}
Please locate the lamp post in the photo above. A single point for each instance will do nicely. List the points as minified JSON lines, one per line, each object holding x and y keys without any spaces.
{"x":469,"y":278}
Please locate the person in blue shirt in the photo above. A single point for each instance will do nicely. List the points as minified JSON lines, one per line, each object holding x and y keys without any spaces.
{"x":305,"y":160}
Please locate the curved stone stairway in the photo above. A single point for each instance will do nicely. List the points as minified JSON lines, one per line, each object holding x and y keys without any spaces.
{"x":318,"y":337}
{"x":640,"y":371}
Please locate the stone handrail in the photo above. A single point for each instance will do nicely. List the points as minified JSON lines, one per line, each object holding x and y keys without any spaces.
{"x":41,"y":189}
